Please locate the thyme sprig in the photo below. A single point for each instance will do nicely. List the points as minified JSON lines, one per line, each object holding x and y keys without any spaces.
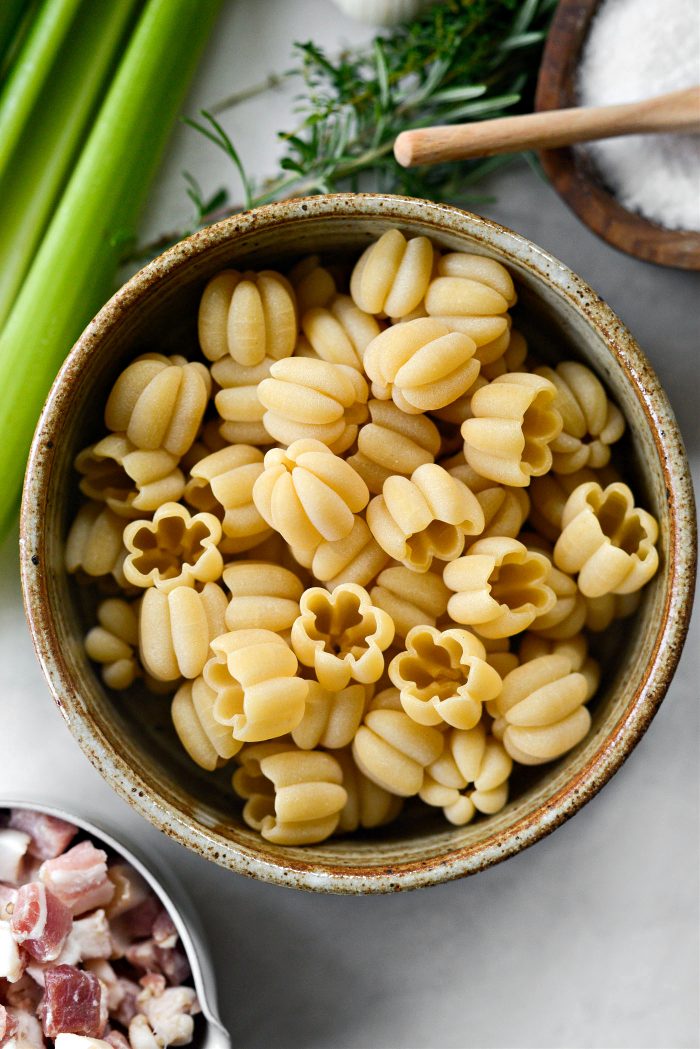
{"x":459,"y":60}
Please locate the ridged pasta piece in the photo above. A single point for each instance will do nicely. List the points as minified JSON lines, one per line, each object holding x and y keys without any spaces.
{"x":548,"y":495}
{"x":339,"y":331}
{"x":174,"y":549}
{"x":591,"y":422}
{"x":331,"y":719}
{"x":460,"y":410}
{"x":607,"y":540}
{"x":443,"y":677}
{"x":512,"y":427}
{"x":258,"y":695}
{"x":159,"y":402}
{"x":568,"y":615}
{"x":511,"y":360}
{"x":392,"y":274}
{"x":294,"y":797}
{"x":357,"y":558}
{"x":499,"y":655}
{"x":249,"y":316}
{"x":313,"y":399}
{"x":470,"y":776}
{"x":131,"y":481}
{"x":425,"y":517}
{"x":175,"y":629}
{"x":308,"y":494}
{"x":505,"y":511}
{"x":209,"y":744}
{"x":575,"y":649}
{"x":314,"y":284}
{"x":602,"y":611}
{"x":208,"y":440}
{"x":95,"y":542}
{"x":393,"y":443}
{"x":263,"y":596}
{"x":367,"y":805}
{"x":421,"y":365}
{"x":500,"y":587}
{"x":392,"y":750}
{"x":541,"y":712}
{"x":411,"y":599}
{"x":342,"y":635}
{"x":113,"y":642}
{"x":237,"y":401}
{"x":222,"y":484}
{"x":469,"y":285}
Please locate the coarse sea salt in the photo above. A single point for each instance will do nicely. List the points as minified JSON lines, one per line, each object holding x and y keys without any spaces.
{"x":637,"y":49}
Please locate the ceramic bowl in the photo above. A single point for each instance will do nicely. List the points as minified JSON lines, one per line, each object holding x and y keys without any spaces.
{"x":129,"y":738}
{"x":210,"y":1033}
{"x":574,"y":177}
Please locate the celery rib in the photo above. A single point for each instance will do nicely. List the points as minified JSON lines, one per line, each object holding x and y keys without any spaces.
{"x":50,"y":142}
{"x":31,"y":70}
{"x":74,"y":269}
{"x":12,"y":13}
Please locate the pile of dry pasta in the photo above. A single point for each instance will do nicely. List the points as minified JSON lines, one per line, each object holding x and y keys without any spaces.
{"x":369,"y":569}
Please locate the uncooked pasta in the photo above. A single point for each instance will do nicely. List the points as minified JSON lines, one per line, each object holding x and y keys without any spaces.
{"x":364,"y":546}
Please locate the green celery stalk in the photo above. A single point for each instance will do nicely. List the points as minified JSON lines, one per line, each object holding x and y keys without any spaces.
{"x":31,"y":69}
{"x":75,"y":266}
{"x":51,"y":140}
{"x":11,"y":14}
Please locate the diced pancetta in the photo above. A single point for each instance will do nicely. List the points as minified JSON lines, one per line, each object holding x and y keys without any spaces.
{"x":8,"y":895}
{"x":48,"y":835}
{"x":40,"y":921}
{"x":8,"y":1025}
{"x":164,"y":932}
{"x":149,"y":957}
{"x":25,"y":994}
{"x":12,"y":958}
{"x":79,"y":878}
{"x":140,"y":1034}
{"x":79,"y":1041}
{"x":28,"y":1030}
{"x":89,"y":938}
{"x":72,"y":1003}
{"x":130,"y":889}
{"x":117,"y":1040}
{"x":14,"y":845}
{"x":138,"y":921}
{"x":170,"y":1014}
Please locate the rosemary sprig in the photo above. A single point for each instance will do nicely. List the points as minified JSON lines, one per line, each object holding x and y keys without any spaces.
{"x":459,"y":60}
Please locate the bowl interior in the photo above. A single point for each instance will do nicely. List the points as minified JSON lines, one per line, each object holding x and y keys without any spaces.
{"x":129,"y":736}
{"x":573,"y":175}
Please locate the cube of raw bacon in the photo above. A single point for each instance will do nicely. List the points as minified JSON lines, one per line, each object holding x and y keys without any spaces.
{"x":12,"y":958}
{"x":40,"y":921}
{"x":13,"y":848}
{"x":130,"y":889}
{"x":164,"y":932}
{"x":27,"y":1030}
{"x":8,"y":1025}
{"x":170,"y":1014}
{"x":79,"y":878}
{"x":8,"y":895}
{"x":171,"y":962}
{"x":137,"y":922}
{"x":88,"y":939}
{"x":24,"y":995}
{"x":79,"y":1041}
{"x":72,"y":1003}
{"x":117,"y":1040}
{"x":49,"y":835}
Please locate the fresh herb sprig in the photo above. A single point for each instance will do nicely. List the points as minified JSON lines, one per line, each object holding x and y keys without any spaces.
{"x":459,"y":60}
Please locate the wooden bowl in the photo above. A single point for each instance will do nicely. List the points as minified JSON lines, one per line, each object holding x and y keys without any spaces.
{"x":129,"y":738}
{"x":574,"y":179}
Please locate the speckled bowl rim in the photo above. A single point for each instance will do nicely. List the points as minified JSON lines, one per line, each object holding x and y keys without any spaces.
{"x":649,"y":692}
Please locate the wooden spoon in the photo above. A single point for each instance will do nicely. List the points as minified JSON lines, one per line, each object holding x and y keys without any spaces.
{"x":676,"y":111}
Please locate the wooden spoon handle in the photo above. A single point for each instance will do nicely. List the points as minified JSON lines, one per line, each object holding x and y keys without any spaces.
{"x":677,"y":111}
